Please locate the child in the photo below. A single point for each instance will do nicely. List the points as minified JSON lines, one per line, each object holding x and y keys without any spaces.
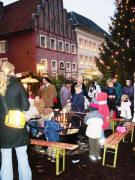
{"x":39,"y":104}
{"x":124,"y":108}
{"x":77,"y":105}
{"x":104,"y":110}
{"x":32,"y":113}
{"x":94,"y":120}
{"x":51,"y":130}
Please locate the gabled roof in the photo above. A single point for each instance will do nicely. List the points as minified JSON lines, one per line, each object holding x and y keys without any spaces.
{"x":18,"y":16}
{"x":79,"y":20}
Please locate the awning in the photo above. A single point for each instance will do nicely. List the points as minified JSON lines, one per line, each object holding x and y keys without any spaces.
{"x":29,"y":80}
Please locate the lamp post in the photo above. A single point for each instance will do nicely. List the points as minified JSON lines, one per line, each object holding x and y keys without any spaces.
{"x":134,"y":99}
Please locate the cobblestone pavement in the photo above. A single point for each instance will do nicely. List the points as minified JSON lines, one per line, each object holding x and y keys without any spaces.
{"x":43,"y":169}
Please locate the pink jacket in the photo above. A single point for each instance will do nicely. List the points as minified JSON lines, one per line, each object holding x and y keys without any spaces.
{"x":103,"y":108}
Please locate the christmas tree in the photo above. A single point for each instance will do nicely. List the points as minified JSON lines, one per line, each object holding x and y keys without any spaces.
{"x":117,"y":55}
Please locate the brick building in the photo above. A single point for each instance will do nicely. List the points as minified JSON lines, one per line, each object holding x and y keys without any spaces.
{"x":36,"y":36}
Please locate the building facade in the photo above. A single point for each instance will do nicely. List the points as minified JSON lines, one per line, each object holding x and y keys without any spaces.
{"x":38,"y":38}
{"x":89,"y":39}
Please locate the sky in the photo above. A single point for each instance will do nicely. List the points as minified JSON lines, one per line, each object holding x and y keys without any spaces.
{"x":98,"y":11}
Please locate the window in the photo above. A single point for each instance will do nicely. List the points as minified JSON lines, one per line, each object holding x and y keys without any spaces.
{"x":68,"y":66}
{"x":94,"y":46}
{"x":81,"y":59}
{"x":80,"y":42}
{"x":90,"y":60}
{"x":3,"y":46}
{"x":54,"y":65}
{"x":73,"y":67}
{"x":43,"y":41}
{"x":62,"y":28}
{"x":53,"y":43}
{"x":86,"y":60}
{"x":44,"y":63}
{"x":57,"y":22}
{"x":54,"y":75}
{"x":53,"y":25}
{"x":73,"y":49}
{"x":60,"y":46}
{"x":67,"y":47}
{"x":61,"y":65}
{"x":90,"y":45}
{"x":42,"y":67}
{"x":99,"y":48}
{"x":86,"y":44}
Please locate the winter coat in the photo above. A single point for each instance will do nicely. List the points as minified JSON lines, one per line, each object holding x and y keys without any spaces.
{"x":111,"y":101}
{"x":65,"y":94}
{"x":16,"y":98}
{"x":118,"y":90}
{"x":77,"y":102}
{"x":48,"y":94}
{"x":52,"y":130}
{"x":103,"y":108}
{"x":129,"y":90}
{"x":125,"y":110}
{"x":94,"y":120}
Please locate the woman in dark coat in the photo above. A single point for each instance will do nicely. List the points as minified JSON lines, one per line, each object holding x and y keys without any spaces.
{"x":16,"y":98}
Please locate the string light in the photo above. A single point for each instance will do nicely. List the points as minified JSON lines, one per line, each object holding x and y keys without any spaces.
{"x":123,"y":49}
{"x":118,"y":33}
{"x":129,"y":59}
{"x":116,"y":52}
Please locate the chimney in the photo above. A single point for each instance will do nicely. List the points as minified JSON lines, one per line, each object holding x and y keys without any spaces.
{"x":1,"y":9}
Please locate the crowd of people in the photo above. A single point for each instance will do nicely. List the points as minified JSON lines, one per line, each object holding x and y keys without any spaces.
{"x":97,"y":105}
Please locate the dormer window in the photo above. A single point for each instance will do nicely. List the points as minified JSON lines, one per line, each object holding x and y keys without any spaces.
{"x":3,"y":46}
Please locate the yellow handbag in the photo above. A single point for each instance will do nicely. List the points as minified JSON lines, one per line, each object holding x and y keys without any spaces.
{"x":15,"y":119}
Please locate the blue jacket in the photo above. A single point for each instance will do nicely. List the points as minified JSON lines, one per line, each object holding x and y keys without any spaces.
{"x":52,"y":130}
{"x":118,"y":90}
{"x":93,"y":114}
{"x":77,"y":102}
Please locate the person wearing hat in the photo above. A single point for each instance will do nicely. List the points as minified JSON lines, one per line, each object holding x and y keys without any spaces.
{"x":51,"y":130}
{"x":65,"y":93}
{"x":94,"y":122}
{"x":104,"y":110}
